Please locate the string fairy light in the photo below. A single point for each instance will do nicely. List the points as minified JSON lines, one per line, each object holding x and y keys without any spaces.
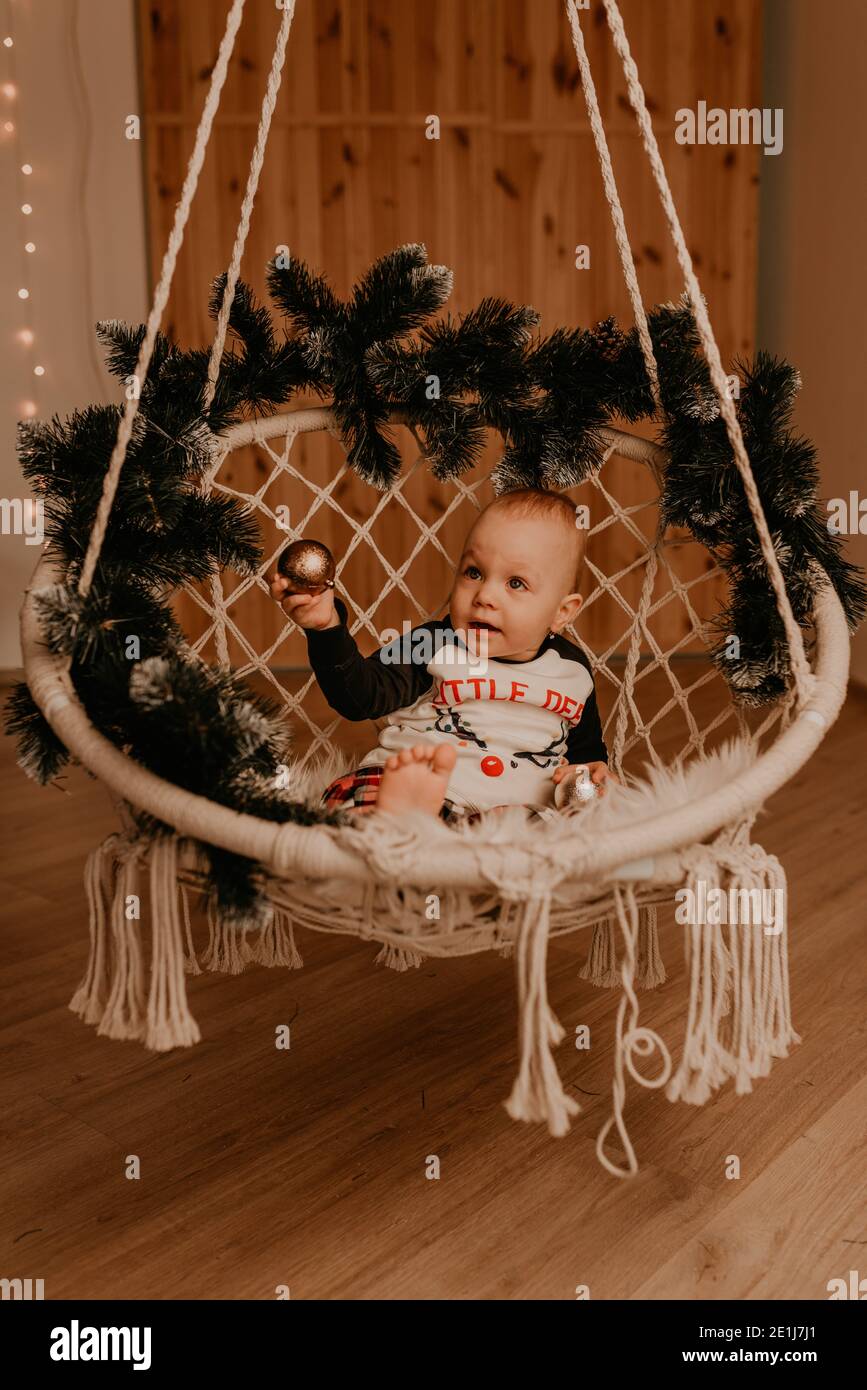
{"x":9,"y":92}
{"x":10,"y":89}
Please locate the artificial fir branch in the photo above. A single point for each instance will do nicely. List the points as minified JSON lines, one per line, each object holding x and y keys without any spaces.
{"x":40,"y":753}
{"x":398,"y":293}
{"x":305,"y":298}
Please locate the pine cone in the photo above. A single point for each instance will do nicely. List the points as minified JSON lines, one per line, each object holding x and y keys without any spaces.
{"x":609,"y":339}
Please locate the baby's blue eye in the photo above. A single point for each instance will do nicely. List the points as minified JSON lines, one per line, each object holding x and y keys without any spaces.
{"x":520,"y":581}
{"x":468,"y":570}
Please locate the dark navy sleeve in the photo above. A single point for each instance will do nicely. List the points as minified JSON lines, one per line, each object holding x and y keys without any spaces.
{"x":363,"y":687}
{"x":584,"y":743}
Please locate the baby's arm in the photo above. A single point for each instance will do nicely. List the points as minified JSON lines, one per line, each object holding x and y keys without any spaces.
{"x":585,"y":745}
{"x":584,"y":742}
{"x":355,"y":686}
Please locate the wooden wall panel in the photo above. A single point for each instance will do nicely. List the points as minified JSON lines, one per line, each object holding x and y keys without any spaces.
{"x":503,"y":198}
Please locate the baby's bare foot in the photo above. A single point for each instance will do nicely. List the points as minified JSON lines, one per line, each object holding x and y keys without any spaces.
{"x":416,"y":778}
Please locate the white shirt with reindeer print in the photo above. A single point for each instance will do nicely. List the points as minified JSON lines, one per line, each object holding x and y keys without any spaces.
{"x":510,"y":722}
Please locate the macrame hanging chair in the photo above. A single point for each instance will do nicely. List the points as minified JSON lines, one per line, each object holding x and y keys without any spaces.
{"x":509,"y":887}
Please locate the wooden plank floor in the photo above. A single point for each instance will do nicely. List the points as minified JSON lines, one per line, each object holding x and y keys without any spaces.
{"x":306,"y":1167}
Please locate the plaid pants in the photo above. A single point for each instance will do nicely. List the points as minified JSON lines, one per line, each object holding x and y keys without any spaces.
{"x":361,"y":788}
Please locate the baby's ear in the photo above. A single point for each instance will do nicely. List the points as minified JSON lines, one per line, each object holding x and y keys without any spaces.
{"x":569,"y":607}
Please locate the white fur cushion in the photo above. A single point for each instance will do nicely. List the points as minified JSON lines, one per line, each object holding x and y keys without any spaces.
{"x":659,"y":791}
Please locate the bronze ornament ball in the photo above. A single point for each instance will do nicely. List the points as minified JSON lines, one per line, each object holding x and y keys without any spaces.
{"x":309,"y":567}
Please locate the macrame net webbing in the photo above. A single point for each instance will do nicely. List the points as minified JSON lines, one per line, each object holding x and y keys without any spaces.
{"x":654,"y":577}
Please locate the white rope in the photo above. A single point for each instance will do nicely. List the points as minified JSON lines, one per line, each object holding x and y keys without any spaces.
{"x":620,"y":234}
{"x":162,"y":292}
{"x":268,"y":104}
{"x":243,"y":228}
{"x":803,"y":677}
{"x":632,"y":1038}
{"x":169,"y":1022}
{"x":182,"y":212}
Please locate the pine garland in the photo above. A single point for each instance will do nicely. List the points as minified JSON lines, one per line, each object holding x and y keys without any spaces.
{"x":548,"y":397}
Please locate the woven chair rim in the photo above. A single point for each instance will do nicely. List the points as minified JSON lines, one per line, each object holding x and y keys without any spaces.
{"x":646,"y":850}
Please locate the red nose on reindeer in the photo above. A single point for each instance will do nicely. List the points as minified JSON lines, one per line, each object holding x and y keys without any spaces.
{"x":309,"y":567}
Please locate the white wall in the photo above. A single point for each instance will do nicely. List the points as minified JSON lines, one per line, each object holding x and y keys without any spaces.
{"x":74,"y":63}
{"x":813,"y":274}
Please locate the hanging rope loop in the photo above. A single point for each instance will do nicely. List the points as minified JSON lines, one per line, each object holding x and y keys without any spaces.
{"x":182,"y":212}
{"x":611,"y":193}
{"x":802,"y":675}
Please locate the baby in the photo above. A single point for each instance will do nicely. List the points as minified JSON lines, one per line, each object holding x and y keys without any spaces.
{"x":487,"y":708}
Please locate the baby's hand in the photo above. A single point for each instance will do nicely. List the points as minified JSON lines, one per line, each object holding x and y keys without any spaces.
{"x":313,"y":611}
{"x":599,"y":773}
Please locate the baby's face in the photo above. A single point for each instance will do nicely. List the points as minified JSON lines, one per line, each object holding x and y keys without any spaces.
{"x":513,"y":574}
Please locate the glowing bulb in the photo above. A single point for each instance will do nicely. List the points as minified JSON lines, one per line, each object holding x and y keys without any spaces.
{"x":26,"y":335}
{"x":30,"y":246}
{"x":23,"y":294}
{"x":39,"y":371}
{"x":9,"y":89}
{"x":27,"y":168}
{"x":7,"y":42}
{"x":7,"y":125}
{"x":26,"y":209}
{"x":27,"y":409}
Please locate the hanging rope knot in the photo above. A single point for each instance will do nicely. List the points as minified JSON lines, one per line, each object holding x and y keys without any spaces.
{"x":538,"y":1093}
{"x":520,"y":890}
{"x":131,"y":848}
{"x":389,"y":846}
{"x":531,"y":873}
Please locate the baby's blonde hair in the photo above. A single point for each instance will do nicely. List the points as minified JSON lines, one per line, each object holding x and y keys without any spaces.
{"x":544,"y":502}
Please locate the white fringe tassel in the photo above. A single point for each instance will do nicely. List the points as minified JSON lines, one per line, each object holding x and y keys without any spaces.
{"x":89,"y":1000}
{"x":227,"y":951}
{"x":169,"y":1021}
{"x":112,"y":994}
{"x":124,"y":1015}
{"x":538,"y":1092}
{"x":739,"y":1011}
{"x":601,"y":967}
{"x":191,"y":963}
{"x":398,"y":957}
{"x":276,"y":943}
